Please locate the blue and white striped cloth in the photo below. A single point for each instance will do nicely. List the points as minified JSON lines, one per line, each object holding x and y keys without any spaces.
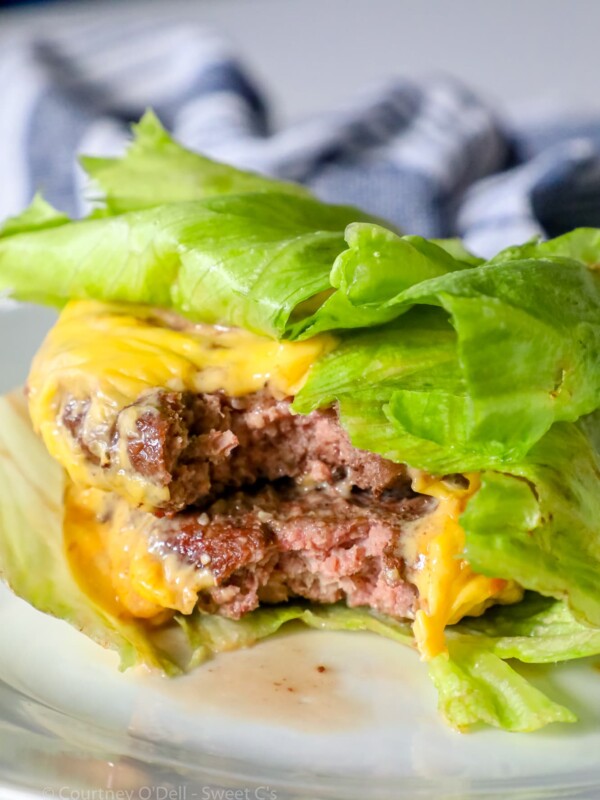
{"x":432,"y":157}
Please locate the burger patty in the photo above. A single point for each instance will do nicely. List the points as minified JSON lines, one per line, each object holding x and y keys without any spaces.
{"x":284,"y":541}
{"x":202,"y":445}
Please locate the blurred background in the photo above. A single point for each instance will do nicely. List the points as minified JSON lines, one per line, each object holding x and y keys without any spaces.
{"x":312,"y":53}
{"x":366,"y":101}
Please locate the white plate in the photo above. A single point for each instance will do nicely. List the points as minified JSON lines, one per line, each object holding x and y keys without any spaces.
{"x":264,"y":722}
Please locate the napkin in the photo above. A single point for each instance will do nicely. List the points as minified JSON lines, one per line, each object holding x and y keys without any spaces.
{"x":431,"y":156}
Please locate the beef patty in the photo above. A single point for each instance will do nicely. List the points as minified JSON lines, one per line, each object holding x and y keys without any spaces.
{"x":201,"y":445}
{"x":322,"y":543}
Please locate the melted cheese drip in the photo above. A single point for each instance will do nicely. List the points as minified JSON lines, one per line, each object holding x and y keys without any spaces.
{"x":113,"y":355}
{"x":448,"y":588}
{"x":118,"y":565}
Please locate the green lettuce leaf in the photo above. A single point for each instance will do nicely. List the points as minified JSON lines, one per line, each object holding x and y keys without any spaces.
{"x":157,"y":170}
{"x":38,"y":216}
{"x":370,"y":277}
{"x":540,"y":524}
{"x":476,"y":686}
{"x":251,"y":260}
{"x":265,"y":261}
{"x":538,"y":630}
{"x":582,"y":244}
{"x":416,"y":353}
{"x":208,"y":633}
{"x":526,"y":354}
{"x":32,"y":560}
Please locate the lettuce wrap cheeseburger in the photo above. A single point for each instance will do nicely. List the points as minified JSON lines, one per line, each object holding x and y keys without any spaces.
{"x":256,"y":408}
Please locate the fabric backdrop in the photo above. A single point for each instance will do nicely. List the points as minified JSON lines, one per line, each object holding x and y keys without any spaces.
{"x":431,"y":156}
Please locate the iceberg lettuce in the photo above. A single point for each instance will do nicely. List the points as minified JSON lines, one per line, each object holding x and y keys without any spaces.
{"x":157,"y":170}
{"x":39,"y":216}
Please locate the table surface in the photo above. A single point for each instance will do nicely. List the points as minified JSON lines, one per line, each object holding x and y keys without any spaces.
{"x":312,"y":54}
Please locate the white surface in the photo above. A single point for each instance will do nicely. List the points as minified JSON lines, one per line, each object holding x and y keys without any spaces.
{"x":312,"y":54}
{"x":76,"y":722}
{"x":69,"y":721}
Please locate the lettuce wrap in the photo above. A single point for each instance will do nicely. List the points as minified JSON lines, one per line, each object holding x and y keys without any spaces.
{"x":444,"y":362}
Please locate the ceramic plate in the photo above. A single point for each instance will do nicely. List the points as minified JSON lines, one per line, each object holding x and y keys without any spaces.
{"x":306,"y":715}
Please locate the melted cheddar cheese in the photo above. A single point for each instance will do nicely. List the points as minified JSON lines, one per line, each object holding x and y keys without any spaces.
{"x":448,"y":588}
{"x":119,"y":565}
{"x":109,"y":356}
